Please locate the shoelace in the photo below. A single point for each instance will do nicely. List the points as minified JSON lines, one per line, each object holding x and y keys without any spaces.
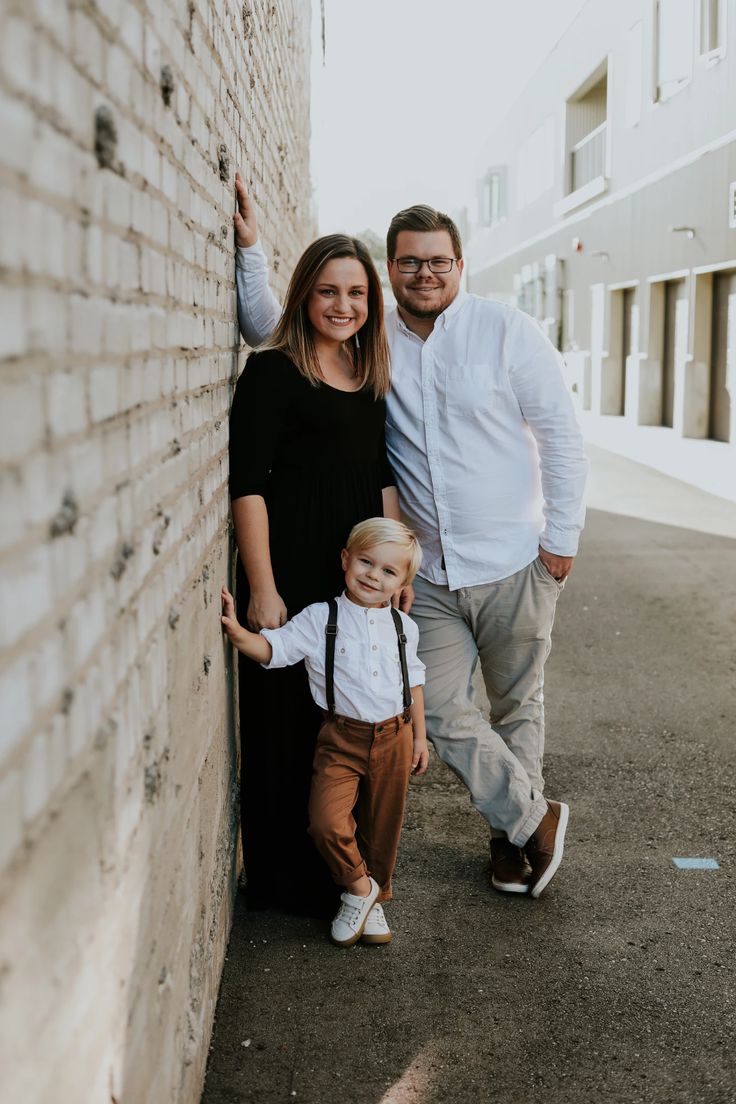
{"x":377,"y":916}
{"x":345,"y":913}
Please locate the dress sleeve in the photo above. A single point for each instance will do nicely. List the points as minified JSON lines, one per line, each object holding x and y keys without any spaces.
{"x":256,"y":424}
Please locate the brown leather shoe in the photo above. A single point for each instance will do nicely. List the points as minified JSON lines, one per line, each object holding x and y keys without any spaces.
{"x":544,"y":848}
{"x":510,"y":872}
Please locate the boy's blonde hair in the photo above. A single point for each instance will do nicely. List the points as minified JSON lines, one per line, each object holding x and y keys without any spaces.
{"x":378,"y":530}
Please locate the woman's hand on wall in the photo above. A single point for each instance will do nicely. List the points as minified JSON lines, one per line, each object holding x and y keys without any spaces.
{"x":246,"y":226}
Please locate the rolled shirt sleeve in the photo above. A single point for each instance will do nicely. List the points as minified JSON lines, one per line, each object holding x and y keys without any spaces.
{"x":298,"y":638}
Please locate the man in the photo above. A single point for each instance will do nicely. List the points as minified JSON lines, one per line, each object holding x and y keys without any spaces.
{"x":490,"y":467}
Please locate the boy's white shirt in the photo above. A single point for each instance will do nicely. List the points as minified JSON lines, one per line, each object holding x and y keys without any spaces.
{"x":368,"y":684}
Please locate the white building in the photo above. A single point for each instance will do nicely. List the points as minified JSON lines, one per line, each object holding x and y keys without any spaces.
{"x":607,"y":210}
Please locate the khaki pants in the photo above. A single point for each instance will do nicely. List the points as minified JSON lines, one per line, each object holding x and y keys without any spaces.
{"x":507,"y":626}
{"x":369,"y":763}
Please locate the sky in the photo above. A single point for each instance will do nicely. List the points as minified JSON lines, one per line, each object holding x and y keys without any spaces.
{"x":408,"y":94}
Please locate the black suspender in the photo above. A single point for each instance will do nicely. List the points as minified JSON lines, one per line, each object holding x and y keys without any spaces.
{"x":401,"y":636}
{"x":331,"y":634}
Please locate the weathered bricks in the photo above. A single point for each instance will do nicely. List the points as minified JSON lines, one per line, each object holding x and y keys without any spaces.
{"x":123,"y":124}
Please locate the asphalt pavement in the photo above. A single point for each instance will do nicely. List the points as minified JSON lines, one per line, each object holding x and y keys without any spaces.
{"x":617,"y":985}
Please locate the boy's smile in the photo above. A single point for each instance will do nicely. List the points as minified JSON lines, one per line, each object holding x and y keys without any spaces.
{"x":373,"y":575}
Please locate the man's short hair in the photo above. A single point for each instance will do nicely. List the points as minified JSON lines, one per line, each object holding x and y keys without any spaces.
{"x":379,"y":530}
{"x":425,"y":220}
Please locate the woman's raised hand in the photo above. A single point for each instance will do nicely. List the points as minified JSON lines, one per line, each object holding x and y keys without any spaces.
{"x":246,"y":227}
{"x":266,"y":610}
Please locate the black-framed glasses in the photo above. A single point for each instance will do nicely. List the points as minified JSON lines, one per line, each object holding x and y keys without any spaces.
{"x":434,"y":264}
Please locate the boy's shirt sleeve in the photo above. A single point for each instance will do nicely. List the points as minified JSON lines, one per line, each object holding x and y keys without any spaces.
{"x":414,"y":664}
{"x":299,"y":638}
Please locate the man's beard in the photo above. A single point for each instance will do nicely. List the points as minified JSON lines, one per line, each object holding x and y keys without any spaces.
{"x":419,"y":312}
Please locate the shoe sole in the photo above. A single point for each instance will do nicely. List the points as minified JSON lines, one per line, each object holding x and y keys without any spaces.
{"x":556,"y":859}
{"x":376,"y":940}
{"x":354,"y":938}
{"x":510,"y":887}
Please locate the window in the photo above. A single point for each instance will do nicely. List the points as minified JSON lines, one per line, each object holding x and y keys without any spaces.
{"x":491,"y":198}
{"x":586,"y":119}
{"x":711,"y":26}
{"x":674,"y":46}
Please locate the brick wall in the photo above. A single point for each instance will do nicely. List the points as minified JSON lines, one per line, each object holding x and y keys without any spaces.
{"x":123,"y":122}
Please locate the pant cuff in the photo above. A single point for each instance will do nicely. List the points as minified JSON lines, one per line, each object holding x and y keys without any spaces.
{"x":346,"y":877}
{"x":532,"y":822}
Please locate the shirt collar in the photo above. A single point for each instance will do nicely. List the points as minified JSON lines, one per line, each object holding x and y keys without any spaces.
{"x":345,"y":601}
{"x":450,"y":313}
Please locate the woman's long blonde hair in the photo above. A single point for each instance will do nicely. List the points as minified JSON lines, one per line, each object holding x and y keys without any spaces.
{"x":293,"y":334}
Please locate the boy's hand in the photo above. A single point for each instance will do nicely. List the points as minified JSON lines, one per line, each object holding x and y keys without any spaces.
{"x":246,"y":226}
{"x":230,"y":623}
{"x":420,"y":757}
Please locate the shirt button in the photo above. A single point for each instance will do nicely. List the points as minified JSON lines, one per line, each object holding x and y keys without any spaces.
{"x":374,"y":647}
{"x":342,"y":650}
{"x":375,"y":674}
{"x":371,"y":621}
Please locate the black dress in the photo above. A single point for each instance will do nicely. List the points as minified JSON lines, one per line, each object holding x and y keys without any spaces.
{"x":317,"y":456}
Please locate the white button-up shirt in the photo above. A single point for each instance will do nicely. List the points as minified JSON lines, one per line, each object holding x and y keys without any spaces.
{"x":367,"y":676}
{"x":481,"y":433}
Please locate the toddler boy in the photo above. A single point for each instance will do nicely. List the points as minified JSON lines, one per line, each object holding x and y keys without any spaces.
{"x":361,"y":659}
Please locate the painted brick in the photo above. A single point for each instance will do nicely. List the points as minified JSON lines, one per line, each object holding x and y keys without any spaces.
{"x":48,"y":670}
{"x":13,"y":504}
{"x":46,"y":322}
{"x":16,"y":696}
{"x":86,"y":317}
{"x":35,"y":777}
{"x":66,"y":403}
{"x":117,"y":348}
{"x":11,"y":815}
{"x":103,"y":392}
{"x":21,"y":411}
{"x":13,"y":332}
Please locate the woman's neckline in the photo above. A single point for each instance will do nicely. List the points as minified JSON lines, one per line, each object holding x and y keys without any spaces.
{"x":341,"y":390}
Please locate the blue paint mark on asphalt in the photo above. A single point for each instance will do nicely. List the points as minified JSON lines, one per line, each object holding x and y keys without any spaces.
{"x":696,"y":864}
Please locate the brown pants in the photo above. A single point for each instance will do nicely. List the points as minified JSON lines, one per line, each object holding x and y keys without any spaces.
{"x":369,"y":763}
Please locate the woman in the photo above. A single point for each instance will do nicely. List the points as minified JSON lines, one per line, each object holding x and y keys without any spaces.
{"x":307,"y":462}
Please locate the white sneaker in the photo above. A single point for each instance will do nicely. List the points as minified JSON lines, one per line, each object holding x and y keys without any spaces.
{"x":347,"y":927}
{"x":376,"y":928}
